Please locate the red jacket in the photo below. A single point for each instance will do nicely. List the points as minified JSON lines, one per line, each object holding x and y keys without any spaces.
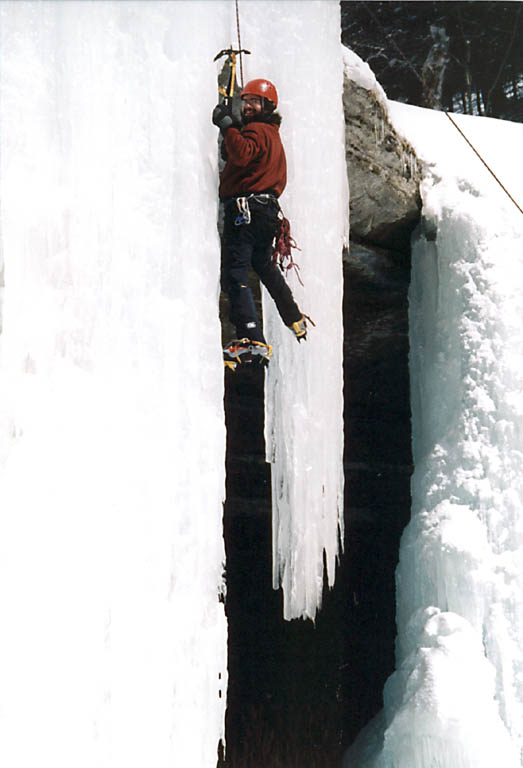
{"x":255,"y":161}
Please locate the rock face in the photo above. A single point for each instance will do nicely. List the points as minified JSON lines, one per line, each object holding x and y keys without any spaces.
{"x":384,"y":173}
{"x":384,"y":176}
{"x":378,"y":465}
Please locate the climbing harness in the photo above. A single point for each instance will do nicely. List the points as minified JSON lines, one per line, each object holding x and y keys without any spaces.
{"x":242,"y":203}
{"x":283,"y":243}
{"x":396,"y":46}
{"x":244,"y":216}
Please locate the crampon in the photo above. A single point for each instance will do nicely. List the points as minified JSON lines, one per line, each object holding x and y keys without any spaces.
{"x":244,"y":351}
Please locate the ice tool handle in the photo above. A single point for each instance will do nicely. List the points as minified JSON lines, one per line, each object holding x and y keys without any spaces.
{"x":231,"y":53}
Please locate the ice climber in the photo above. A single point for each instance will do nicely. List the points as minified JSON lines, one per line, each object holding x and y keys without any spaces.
{"x":251,"y":182}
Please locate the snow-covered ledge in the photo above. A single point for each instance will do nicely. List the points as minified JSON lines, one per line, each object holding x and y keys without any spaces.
{"x":382,"y":166}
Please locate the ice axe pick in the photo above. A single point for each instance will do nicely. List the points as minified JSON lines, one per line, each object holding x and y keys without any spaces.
{"x":231,"y":53}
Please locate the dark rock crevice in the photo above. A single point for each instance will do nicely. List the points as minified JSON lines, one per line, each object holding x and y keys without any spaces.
{"x":300,"y":693}
{"x":378,"y":464}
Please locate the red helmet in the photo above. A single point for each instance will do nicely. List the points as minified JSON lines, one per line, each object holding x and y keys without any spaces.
{"x":263,"y":88}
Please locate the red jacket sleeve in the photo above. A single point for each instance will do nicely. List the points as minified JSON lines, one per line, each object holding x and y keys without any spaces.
{"x":243,"y":148}
{"x":255,"y":161}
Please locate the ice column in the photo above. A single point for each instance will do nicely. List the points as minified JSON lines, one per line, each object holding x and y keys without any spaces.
{"x":297,"y":45}
{"x":456,"y":699}
{"x":113,"y":640}
{"x":463,"y":550}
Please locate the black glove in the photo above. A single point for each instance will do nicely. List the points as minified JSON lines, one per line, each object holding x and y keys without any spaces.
{"x":221,"y":116}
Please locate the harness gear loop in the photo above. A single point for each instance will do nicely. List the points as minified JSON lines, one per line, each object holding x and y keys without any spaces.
{"x":244,"y":216}
{"x":242,"y":203}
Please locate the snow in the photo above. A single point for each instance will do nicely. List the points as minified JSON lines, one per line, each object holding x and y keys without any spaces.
{"x":112,"y":440}
{"x":359,"y":72}
{"x":440,"y":697}
{"x":456,"y":697}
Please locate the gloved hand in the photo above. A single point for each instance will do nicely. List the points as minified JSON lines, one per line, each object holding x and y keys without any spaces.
{"x":221,"y":116}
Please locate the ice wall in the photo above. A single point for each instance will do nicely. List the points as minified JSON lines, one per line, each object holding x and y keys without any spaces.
{"x":456,"y":699}
{"x":298,"y":46}
{"x":113,"y":640}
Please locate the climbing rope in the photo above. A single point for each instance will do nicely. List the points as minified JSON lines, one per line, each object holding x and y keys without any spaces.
{"x":505,"y":190}
{"x":283,"y":245}
{"x":239,"y":40}
{"x":422,"y":81}
{"x":283,"y":241}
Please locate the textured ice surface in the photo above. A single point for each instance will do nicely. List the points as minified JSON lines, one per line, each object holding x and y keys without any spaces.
{"x":304,"y":397}
{"x":456,"y":698}
{"x":440,"y":705}
{"x":113,"y":640}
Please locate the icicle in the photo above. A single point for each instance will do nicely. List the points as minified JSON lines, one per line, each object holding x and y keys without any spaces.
{"x":304,"y":386}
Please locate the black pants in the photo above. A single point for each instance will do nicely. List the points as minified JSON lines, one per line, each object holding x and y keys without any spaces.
{"x":247,"y":245}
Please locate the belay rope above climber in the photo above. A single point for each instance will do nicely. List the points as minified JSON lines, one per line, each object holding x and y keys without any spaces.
{"x":283,"y":240}
{"x":256,"y":234}
{"x":239,"y":41}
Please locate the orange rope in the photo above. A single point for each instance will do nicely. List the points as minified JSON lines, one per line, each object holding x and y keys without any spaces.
{"x":239,"y":41}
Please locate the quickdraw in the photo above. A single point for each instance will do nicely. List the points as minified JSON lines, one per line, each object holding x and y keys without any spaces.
{"x":244,"y":216}
{"x":242,"y":203}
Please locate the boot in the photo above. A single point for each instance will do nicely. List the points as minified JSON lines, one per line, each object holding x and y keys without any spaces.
{"x":299,"y":328}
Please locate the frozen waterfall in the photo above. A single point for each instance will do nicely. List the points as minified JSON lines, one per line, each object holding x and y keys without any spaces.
{"x":113,"y":641}
{"x":456,"y":698}
{"x":304,"y":388}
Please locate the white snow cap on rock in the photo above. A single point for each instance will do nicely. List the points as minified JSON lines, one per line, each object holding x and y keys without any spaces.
{"x":359,"y":71}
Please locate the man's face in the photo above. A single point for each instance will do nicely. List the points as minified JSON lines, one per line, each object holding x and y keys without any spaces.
{"x":251,"y":107}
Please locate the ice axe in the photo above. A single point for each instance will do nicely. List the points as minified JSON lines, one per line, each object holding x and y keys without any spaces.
{"x":231,"y":54}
